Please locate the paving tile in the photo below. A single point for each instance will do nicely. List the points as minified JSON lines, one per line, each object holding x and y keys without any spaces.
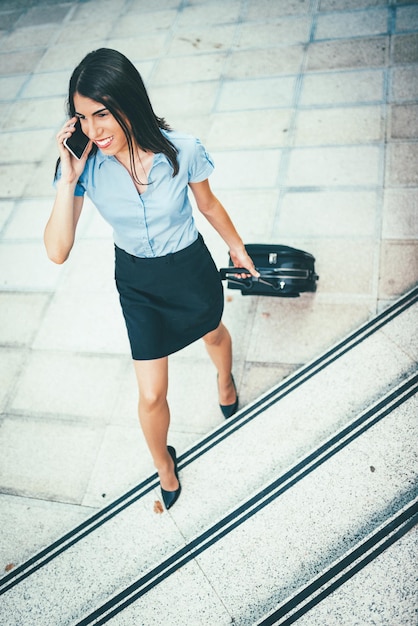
{"x":343,"y":87}
{"x":8,"y":20}
{"x":185,"y":100}
{"x":28,"y":525}
{"x":339,"y":126}
{"x":25,"y":267}
{"x":29,"y":114}
{"x":258,"y":378}
{"x":84,"y":322}
{"x":10,"y":367}
{"x":266,"y":10}
{"x":93,"y":260}
{"x":111,"y":9}
{"x":138,"y":49}
{"x":329,"y":214}
{"x":46,"y":459}
{"x":357,"y":257}
{"x":355,"y":24}
{"x":20,"y":317}
{"x":39,"y":179}
{"x":404,"y":49}
{"x":281,"y":32}
{"x":341,"y":5}
{"x":404,"y":121}
{"x":144,"y":6}
{"x":404,"y":83}
{"x":22,"y":62}
{"x":177,"y":70}
{"x":22,"y":5}
{"x":252,"y":211}
{"x":123,"y":461}
{"x":12,"y":183}
{"x":400,"y":214}
{"x":194,"y":125}
{"x":6,"y":210}
{"x":256,"y":94}
{"x":50,"y":14}
{"x":245,"y":169}
{"x":186,"y":41}
{"x":271,"y":124}
{"x":15,"y":144}
{"x":406,"y":18}
{"x":330,"y":55}
{"x":401,"y":164}
{"x":193,"y":395}
{"x":10,"y":86}
{"x":30,"y":37}
{"x":304,"y":327}
{"x":398,"y":268}
{"x":48,"y":84}
{"x":209,"y":13}
{"x":5,"y":109}
{"x":86,"y":29}
{"x":43,"y":386}
{"x":133,"y":24}
{"x":334,"y":166}
{"x":264,"y":62}
{"x":66,"y":57}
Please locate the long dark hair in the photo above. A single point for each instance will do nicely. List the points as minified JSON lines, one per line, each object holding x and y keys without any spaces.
{"x":108,"y":77}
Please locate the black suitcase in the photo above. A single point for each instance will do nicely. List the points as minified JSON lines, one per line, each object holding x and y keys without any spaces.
{"x":284,"y":272}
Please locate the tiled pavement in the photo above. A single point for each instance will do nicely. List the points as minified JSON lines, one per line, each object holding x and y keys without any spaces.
{"x":310,"y":111}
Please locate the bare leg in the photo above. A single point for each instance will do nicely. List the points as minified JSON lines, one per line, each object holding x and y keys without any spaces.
{"x":154,"y":416}
{"x":219,"y":346}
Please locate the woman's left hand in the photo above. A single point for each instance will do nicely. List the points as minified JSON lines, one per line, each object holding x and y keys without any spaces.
{"x":241,"y":258}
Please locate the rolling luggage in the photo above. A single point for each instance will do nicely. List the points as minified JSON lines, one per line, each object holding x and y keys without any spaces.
{"x":284,"y":272}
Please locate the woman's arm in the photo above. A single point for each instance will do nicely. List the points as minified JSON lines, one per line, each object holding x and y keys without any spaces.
{"x":209,"y":205}
{"x":60,"y":229}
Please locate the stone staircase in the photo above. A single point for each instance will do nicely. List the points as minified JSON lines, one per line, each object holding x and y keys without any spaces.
{"x":302,"y":509}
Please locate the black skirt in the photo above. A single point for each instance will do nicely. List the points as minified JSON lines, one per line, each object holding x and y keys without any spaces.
{"x":170,"y":301}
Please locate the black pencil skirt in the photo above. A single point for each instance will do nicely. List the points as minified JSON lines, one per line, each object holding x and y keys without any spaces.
{"x":170,"y":301}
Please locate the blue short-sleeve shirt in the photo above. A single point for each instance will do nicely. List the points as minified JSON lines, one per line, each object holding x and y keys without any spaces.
{"x":159,"y":221}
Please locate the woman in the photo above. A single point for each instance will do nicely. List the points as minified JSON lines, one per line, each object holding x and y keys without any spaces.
{"x":137,"y":172}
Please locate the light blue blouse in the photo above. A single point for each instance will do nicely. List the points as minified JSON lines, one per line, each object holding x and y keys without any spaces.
{"x":158,"y":221}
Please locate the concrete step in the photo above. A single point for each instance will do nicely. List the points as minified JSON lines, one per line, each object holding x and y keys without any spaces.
{"x":210,"y":559}
{"x":373,"y":583}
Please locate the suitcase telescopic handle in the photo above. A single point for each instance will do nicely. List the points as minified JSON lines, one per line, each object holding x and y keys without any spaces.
{"x":231,"y":272}
{"x":267,"y":277}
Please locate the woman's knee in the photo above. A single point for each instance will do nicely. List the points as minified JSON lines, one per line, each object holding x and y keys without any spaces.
{"x":152,"y":399}
{"x":216,"y":337}
{"x":152,"y":378}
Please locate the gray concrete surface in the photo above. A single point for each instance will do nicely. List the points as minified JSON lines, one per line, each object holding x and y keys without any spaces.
{"x":309,"y":109}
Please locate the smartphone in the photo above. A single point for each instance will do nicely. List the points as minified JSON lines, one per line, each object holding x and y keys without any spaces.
{"x":78,"y":141}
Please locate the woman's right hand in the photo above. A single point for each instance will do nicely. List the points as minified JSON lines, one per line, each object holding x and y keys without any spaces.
{"x":71,"y":168}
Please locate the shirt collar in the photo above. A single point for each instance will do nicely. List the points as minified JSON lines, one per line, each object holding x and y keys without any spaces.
{"x":101,"y":158}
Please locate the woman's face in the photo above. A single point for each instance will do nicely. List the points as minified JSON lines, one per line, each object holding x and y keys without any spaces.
{"x":100,"y":126}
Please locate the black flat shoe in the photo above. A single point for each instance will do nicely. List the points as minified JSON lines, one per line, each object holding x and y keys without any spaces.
{"x":170,"y":497}
{"x":228,"y":410}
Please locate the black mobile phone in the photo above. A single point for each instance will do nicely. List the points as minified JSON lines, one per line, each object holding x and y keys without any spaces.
{"x":78,"y":141}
